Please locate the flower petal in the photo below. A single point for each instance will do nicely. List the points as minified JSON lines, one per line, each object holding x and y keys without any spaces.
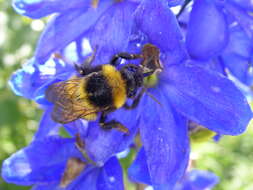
{"x":86,"y":180}
{"x":111,"y":176}
{"x":173,"y":3}
{"x":66,"y":28}
{"x":155,"y":19}
{"x":47,"y":126}
{"x":239,"y":67}
{"x":238,"y":54}
{"x":245,"y":4}
{"x":207,"y":98}
{"x":165,"y":138}
{"x":102,"y":144}
{"x":53,"y":186}
{"x":43,"y":161}
{"x":207,"y":31}
{"x":28,"y":80}
{"x":41,"y":8}
{"x":138,"y":171}
{"x":242,"y":17}
{"x":111,"y":32}
{"x":198,"y":180}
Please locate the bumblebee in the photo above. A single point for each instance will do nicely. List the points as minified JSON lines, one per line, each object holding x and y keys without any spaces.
{"x":103,"y":89}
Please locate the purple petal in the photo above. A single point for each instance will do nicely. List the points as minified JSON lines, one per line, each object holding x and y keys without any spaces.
{"x":102,"y":144}
{"x":138,"y":171}
{"x":43,"y":161}
{"x":41,"y":8}
{"x":165,"y":139}
{"x":207,"y":98}
{"x":111,"y":176}
{"x":66,"y":28}
{"x":207,"y":30}
{"x":111,"y":32}
{"x":155,"y":19}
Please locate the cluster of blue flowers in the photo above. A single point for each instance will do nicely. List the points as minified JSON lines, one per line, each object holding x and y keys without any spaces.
{"x":209,"y":41}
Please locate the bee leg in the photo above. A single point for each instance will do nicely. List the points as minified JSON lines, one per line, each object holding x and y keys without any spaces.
{"x":123,"y":55}
{"x":136,"y":100}
{"x":112,"y":124}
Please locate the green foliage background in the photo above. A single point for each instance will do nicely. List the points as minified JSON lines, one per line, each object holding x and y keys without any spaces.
{"x":231,"y":159}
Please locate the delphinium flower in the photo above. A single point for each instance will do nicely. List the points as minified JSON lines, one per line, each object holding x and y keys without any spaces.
{"x":185,"y":91}
{"x":192,"y":180}
{"x":228,"y":40}
{"x":198,"y":180}
{"x":53,"y":162}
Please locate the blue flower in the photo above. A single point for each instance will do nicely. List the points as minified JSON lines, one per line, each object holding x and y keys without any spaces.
{"x":229,"y":36}
{"x":43,"y":163}
{"x":198,"y":180}
{"x":185,"y":91}
{"x":192,"y":180}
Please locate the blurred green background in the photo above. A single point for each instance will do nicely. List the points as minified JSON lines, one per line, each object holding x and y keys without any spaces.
{"x":231,"y":159}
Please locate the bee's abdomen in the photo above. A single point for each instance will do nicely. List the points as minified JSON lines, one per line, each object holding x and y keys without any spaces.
{"x":99,"y":92}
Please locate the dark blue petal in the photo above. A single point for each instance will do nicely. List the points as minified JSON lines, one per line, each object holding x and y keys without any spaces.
{"x":138,"y":171}
{"x":40,"y":8}
{"x":198,"y":180}
{"x":111,"y":176}
{"x":28,"y":80}
{"x":102,"y":144}
{"x":156,"y":20}
{"x":43,"y":161}
{"x":242,"y":17}
{"x":207,"y":31}
{"x":207,"y":98}
{"x":111,"y":32}
{"x":66,"y":28}
{"x":47,"y":126}
{"x":165,"y":138}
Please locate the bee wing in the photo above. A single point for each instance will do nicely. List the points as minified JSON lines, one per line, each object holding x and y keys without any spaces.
{"x":70,"y":101}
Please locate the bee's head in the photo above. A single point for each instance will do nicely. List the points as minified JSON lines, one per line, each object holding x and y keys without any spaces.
{"x":133,"y":76}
